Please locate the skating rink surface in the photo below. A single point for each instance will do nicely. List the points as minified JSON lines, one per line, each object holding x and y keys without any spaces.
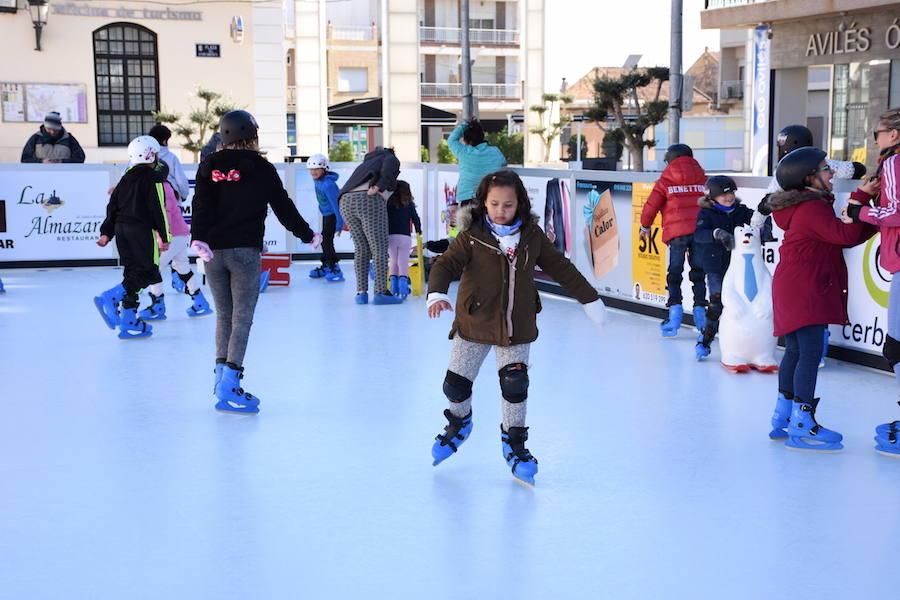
{"x":118,"y":480}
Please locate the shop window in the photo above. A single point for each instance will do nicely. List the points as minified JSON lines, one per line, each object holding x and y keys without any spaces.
{"x":850,"y":101}
{"x":126,"y":67}
{"x":353,"y":80}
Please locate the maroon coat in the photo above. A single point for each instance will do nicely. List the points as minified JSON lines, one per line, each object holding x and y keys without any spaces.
{"x":676,"y":193}
{"x":810,"y":283}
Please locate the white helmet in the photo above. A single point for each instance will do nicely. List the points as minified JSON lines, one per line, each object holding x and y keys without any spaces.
{"x":143,"y":150}
{"x":317,"y":161}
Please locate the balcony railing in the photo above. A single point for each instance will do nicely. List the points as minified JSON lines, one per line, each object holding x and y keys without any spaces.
{"x":732,"y":90}
{"x":482,"y":91}
{"x":351,"y":34}
{"x":453,"y":35}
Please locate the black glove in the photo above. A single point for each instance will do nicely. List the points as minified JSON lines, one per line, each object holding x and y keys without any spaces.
{"x":724,"y":238}
{"x":763,"y":207}
{"x":853,"y":211}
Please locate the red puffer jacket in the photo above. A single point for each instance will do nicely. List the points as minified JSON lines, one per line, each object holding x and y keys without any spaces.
{"x":675,"y":194}
{"x":810,"y":283}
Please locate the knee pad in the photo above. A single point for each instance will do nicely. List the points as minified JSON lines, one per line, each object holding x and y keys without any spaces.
{"x":456,"y":387}
{"x":514,"y":382}
{"x":715,"y":307}
{"x":891,"y":350}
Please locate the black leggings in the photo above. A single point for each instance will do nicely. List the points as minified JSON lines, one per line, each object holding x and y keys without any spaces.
{"x":329,"y":226}
{"x":800,"y":366}
{"x":139,"y":255}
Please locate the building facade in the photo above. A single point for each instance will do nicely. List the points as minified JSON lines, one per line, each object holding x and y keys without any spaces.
{"x":106,"y":66}
{"x":833,"y":68}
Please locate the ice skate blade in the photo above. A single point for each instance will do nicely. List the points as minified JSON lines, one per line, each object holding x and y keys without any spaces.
{"x":153,"y":318}
{"x":528,"y":483}
{"x":193,"y":313}
{"x":888,"y":453}
{"x":224,"y":407}
{"x":801,"y":446}
{"x":765,"y":368}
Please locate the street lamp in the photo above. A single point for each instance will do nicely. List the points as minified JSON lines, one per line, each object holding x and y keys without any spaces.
{"x":39,"y":9}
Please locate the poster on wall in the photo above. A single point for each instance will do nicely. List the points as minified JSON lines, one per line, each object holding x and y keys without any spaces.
{"x":649,"y":257}
{"x":32,"y":101}
{"x":556,"y":213}
{"x":53,"y":214}
{"x":601,"y":229}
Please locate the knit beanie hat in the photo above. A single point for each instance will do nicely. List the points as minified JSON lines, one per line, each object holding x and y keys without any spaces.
{"x":52,"y":121}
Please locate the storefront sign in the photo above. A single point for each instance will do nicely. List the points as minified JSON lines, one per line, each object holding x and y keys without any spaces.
{"x":77,"y":9}
{"x":208,"y":50}
{"x":844,"y":40}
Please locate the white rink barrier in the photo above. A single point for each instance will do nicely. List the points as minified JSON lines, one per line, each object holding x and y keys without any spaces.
{"x":51,"y":214}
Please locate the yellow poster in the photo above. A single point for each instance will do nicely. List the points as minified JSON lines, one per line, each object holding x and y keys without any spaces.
{"x":648,"y":257}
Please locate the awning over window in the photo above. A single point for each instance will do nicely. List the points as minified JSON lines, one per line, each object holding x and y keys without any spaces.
{"x":368,"y":111}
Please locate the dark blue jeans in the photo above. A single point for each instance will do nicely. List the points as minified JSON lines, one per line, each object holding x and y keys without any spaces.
{"x":680,"y":248}
{"x":800,"y":365}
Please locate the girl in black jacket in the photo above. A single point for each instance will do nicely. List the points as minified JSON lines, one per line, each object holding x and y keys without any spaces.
{"x":720,"y":213}
{"x":234,"y":188}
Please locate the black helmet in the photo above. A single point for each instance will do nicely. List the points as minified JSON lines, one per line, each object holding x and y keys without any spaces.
{"x":677,"y":151}
{"x":792,"y":137}
{"x":794,"y":168}
{"x":720,"y":184}
{"x":237,"y":125}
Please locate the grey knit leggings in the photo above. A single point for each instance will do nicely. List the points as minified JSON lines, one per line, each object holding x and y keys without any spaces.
{"x":367,"y":217}
{"x":233,"y":276}
{"x":466,"y":359}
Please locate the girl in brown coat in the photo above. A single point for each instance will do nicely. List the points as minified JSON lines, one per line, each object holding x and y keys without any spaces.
{"x":495,"y":254}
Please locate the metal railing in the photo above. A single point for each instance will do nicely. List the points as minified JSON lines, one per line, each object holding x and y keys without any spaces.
{"x":482,"y":91}
{"x":453,"y":35}
{"x":351,"y":34}
{"x":732,"y":90}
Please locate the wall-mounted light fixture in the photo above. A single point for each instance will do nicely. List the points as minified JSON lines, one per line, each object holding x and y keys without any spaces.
{"x":40,"y":10}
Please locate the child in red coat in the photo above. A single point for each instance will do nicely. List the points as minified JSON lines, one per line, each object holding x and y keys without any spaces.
{"x":809,"y":291}
{"x":676,"y":193}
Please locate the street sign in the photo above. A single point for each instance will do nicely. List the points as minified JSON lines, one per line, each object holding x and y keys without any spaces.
{"x":208,"y":50}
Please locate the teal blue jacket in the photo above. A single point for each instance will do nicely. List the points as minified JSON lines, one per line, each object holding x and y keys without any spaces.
{"x":474,"y":162}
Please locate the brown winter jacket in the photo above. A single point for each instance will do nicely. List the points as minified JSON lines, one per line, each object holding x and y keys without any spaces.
{"x":497,"y":303}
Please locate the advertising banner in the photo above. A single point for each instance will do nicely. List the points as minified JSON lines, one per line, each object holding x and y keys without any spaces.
{"x":761,"y":108}
{"x":53,"y":214}
{"x":597,"y":233}
{"x":648,"y":257}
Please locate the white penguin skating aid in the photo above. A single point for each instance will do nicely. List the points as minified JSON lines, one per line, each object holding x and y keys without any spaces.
{"x":745,"y":328}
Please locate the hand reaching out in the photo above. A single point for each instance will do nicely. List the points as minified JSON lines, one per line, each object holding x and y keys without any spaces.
{"x":438,"y":307}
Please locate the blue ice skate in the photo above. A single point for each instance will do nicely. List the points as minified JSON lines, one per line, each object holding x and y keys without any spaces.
{"x":199,"y":306}
{"x":386,"y":298}
{"x":455,"y":433}
{"x":335,"y":274}
{"x":177,"y":282}
{"x":107,"y":305}
{"x":361,"y":298}
{"x":887,"y":439}
{"x":263,"y":281}
{"x":394,"y":285}
{"x":220,"y":366}
{"x":231,"y":397}
{"x":403,"y":283}
{"x":781,"y":418}
{"x":670,"y":326}
{"x":701,"y":351}
{"x":156,"y":311}
{"x":2,"y":289}
{"x":524,"y":466}
{"x":131,"y":326}
{"x":805,"y":433}
{"x":700,"y":318}
{"x":319,"y":272}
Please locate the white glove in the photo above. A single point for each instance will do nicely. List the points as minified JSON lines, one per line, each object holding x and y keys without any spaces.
{"x":203,"y":250}
{"x":596,"y":311}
